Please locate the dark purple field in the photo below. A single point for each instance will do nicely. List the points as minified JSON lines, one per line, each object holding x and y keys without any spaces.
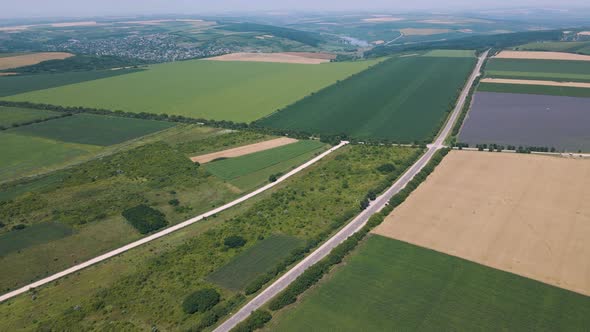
{"x":528,"y":120}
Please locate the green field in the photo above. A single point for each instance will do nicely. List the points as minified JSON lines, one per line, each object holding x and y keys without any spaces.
{"x":555,"y":70}
{"x":254,"y":261}
{"x":388,"y":285}
{"x":21,"y":154}
{"x":145,"y":287}
{"x":36,"y":234}
{"x":12,"y":85}
{"x":93,"y":129}
{"x":451,"y":53}
{"x":571,"y":47}
{"x":232,"y":168}
{"x":236,"y":91}
{"x":17,"y":115}
{"x":535,"y":89}
{"x":401,"y":99}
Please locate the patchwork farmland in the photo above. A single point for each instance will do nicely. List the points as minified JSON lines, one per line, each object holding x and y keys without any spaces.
{"x":234,"y":91}
{"x":387,"y":101}
{"x":310,"y":206}
{"x":10,"y":116}
{"x":525,"y":214}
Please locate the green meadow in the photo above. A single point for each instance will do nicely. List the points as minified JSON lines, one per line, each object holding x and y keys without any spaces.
{"x":254,"y":261}
{"x":93,"y":129}
{"x":236,"y":91}
{"x":16,"y":115}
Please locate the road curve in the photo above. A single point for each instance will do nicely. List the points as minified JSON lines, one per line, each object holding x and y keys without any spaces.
{"x":166,"y":231}
{"x":357,"y":223}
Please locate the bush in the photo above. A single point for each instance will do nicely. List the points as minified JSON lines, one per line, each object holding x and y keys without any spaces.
{"x":174,"y":202}
{"x":200,"y":301}
{"x":386,"y":168}
{"x":19,"y":227}
{"x":145,"y":219}
{"x":234,"y":241}
{"x":256,"y":320}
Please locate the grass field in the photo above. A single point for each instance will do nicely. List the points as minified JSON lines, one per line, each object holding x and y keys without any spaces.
{"x":36,"y":234}
{"x":12,"y":85}
{"x":237,"y":91}
{"x":451,"y":53}
{"x":401,"y":99}
{"x":572,"y":47}
{"x":232,"y":168}
{"x":535,"y":89}
{"x":254,"y":261}
{"x":17,"y":115}
{"x":146,"y":286}
{"x":21,"y":154}
{"x":552,"y":70}
{"x":93,"y":129}
{"x":388,"y":285}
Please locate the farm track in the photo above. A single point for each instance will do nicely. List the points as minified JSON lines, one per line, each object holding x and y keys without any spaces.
{"x":357,"y":223}
{"x":166,"y":231}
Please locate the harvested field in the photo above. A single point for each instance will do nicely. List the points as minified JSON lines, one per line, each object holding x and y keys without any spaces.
{"x":423,"y":32}
{"x":525,"y":214}
{"x":8,"y":74}
{"x":313,"y":55}
{"x":536,"y":82}
{"x":31,"y":59}
{"x":291,"y":57}
{"x":243,"y":150}
{"x":73,"y":24}
{"x":389,"y":285}
{"x":541,"y":55}
{"x":584,"y":33}
{"x":233,"y":168}
{"x":528,"y":120}
{"x":382,"y":19}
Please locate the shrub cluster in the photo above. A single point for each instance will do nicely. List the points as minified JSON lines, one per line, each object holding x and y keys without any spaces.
{"x":317,"y":271}
{"x":26,"y":123}
{"x":200,"y":301}
{"x":234,"y":241}
{"x":145,"y":219}
{"x":255,"y":321}
{"x":212,"y":316}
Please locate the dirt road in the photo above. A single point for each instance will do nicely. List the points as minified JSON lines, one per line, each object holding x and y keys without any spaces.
{"x":167,"y":230}
{"x":358,"y":222}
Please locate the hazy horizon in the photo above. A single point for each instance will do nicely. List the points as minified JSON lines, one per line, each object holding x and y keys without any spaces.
{"x":74,"y":8}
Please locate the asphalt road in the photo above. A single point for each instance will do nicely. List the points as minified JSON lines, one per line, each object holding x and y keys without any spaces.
{"x":357,"y":223}
{"x":166,"y":231}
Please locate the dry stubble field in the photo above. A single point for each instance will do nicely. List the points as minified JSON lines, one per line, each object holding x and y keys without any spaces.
{"x":525,"y":214}
{"x":244,"y":150}
{"x":31,"y":59}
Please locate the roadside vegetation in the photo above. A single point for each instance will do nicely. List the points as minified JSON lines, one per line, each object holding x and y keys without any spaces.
{"x":156,"y":176}
{"x":309,"y":208}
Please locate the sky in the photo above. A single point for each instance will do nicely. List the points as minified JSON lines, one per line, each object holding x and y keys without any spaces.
{"x":70,"y":8}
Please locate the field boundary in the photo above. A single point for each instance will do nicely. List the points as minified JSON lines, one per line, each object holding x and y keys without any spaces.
{"x":166,"y":231}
